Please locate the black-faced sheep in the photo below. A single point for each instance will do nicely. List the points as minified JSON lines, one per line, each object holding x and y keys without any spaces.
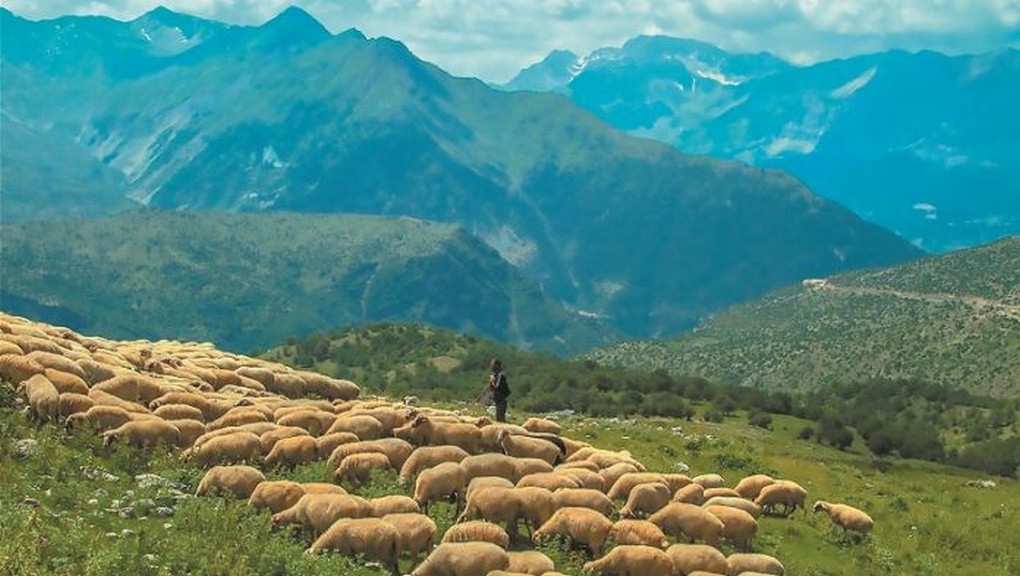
{"x":239,"y":481}
{"x":629,"y":560}
{"x":371,"y":538}
{"x":463,"y":559}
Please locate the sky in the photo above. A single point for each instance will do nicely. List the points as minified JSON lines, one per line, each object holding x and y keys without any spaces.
{"x":493,"y":39}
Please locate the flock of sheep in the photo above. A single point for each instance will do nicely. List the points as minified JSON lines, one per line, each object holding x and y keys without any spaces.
{"x":238,"y":416}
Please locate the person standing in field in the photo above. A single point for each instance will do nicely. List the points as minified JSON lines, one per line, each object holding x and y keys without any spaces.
{"x":499,"y":389}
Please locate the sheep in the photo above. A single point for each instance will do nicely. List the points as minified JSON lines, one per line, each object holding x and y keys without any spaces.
{"x":100,"y":417}
{"x":263,"y":376}
{"x":527,"y":447}
{"x":105,"y":398}
{"x":550,"y":481}
{"x":584,"y":498}
{"x":422,"y":431}
{"x":620,"y":489}
{"x":131,"y":387}
{"x":743,"y":563}
{"x":276,"y":495}
{"x":240,"y":481}
{"x":490,"y":465}
{"x":357,"y":469}
{"x":691,"y":494}
{"x":846,"y":517}
{"x":477,"y":531}
{"x":629,"y":560}
{"x":527,"y":466}
{"x":783,"y":493}
{"x":417,"y":532}
{"x":536,"y":506}
{"x":587,"y":478}
{"x":328,"y":388}
{"x":391,"y":417}
{"x":371,"y":538}
{"x":144,"y":433}
{"x":393,"y":504}
{"x":580,"y":464}
{"x":17,"y":368}
{"x":315,"y":513}
{"x":65,"y":382}
{"x":734,"y":502}
{"x":613,"y":473}
{"x":582,"y":525}
{"x":363,"y":426}
{"x":427,"y":456}
{"x":238,"y":417}
{"x":58,"y":363}
{"x":190,"y":431}
{"x":463,"y":559}
{"x":11,"y":348}
{"x":269,"y":439}
{"x":709,"y":480}
{"x":227,"y":448}
{"x":644,"y":499}
{"x":724,"y":492}
{"x":530,"y":562}
{"x":739,"y":527}
{"x":317,"y":422}
{"x":541,"y":425}
{"x":291,"y":452}
{"x":640,"y":532}
{"x":397,"y":450}
{"x":43,"y":398}
{"x":322,"y":488}
{"x":750,"y":486}
{"x":179,"y":412}
{"x":697,"y":557}
{"x":325,"y":444}
{"x":681,"y":519}
{"x":446,"y":479}
{"x":344,"y":450}
{"x":95,"y":372}
{"x":74,"y":403}
{"x":495,"y":504}
{"x":485,"y":481}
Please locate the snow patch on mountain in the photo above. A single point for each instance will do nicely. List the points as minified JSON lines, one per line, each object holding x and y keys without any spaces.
{"x":718,"y":77}
{"x":848,"y":89}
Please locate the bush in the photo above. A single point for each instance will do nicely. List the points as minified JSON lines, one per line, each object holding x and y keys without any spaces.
{"x":760,"y":419}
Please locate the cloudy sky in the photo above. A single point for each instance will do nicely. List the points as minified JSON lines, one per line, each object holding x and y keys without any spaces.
{"x":493,"y":39}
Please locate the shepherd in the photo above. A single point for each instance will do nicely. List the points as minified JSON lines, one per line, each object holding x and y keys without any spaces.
{"x":499,"y":389}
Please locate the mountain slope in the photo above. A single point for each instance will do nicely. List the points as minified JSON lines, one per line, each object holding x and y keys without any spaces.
{"x":922,"y":144}
{"x":252,"y":280}
{"x":952,"y":319}
{"x":286,"y":117}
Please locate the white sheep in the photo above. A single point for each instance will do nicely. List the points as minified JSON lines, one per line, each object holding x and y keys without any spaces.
{"x":750,"y":486}
{"x":645,"y":499}
{"x":687,"y":520}
{"x":638,"y":532}
{"x":847,"y":517}
{"x":417,"y":532}
{"x":744,"y":563}
{"x":428,"y":456}
{"x":239,"y":481}
{"x":528,"y":447}
{"x":739,"y":527}
{"x":371,"y":538}
{"x":582,"y":525}
{"x":782,"y":493}
{"x":584,"y":498}
{"x":690,"y":558}
{"x":477,"y":531}
{"x":630,"y":560}
{"x":463,"y":559}
{"x":446,"y":479}
{"x":276,"y":495}
{"x":146,"y":433}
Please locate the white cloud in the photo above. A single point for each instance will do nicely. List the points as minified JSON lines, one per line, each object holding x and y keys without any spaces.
{"x":493,"y":39}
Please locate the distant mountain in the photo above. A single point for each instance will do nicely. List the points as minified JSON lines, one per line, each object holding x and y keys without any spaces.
{"x":285,"y":116}
{"x":950,"y":319}
{"x":249,"y":281}
{"x":923,"y":144}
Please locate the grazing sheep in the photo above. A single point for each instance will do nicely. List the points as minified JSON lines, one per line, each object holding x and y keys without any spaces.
{"x":417,"y":533}
{"x":95,"y":372}
{"x":541,"y":425}
{"x":74,"y":403}
{"x":393,"y":504}
{"x":240,"y":481}
{"x":289,"y":385}
{"x":690,"y":558}
{"x":344,"y":450}
{"x":144,"y":433}
{"x":463,"y":559}
{"x":269,"y":438}
{"x":315,"y":513}
{"x":106,"y":399}
{"x":428,"y":456}
{"x":640,"y":532}
{"x":739,"y":527}
{"x":179,"y":412}
{"x":397,"y":450}
{"x":582,"y":525}
{"x":720,"y":492}
{"x":100,"y":417}
{"x":317,"y":422}
{"x":235,"y":447}
{"x":743,"y":563}
{"x":322,"y":488}
{"x":584,"y":498}
{"x":58,"y":363}
{"x":276,"y":495}
{"x":490,"y":465}
{"x":357,"y":469}
{"x":691,"y":494}
{"x":446,"y":479}
{"x":734,"y":502}
{"x":580,"y":464}
{"x":750,"y":486}
{"x":289,"y":453}
{"x":613,"y":473}
{"x":371,"y":538}
{"x":587,"y":478}
{"x":65,"y":382}
{"x":495,"y":504}
{"x":550,"y":481}
{"x":620,"y":490}
{"x":263,"y":376}
{"x":527,"y":447}
{"x":782,"y":498}
{"x":483,"y":481}
{"x":530,"y":562}
{"x":190,"y":431}
{"x":645,"y":499}
{"x":709,"y":480}
{"x":238,"y":417}
{"x":524,"y":466}
{"x":477,"y":531}
{"x":846,"y":517}
{"x":423,"y":431}
{"x":328,"y":388}
{"x":365,"y":427}
{"x":629,"y":560}
{"x":327,"y":443}
{"x":536,"y":506}
{"x":16,"y":368}
{"x":43,"y":398}
{"x":679,"y":519}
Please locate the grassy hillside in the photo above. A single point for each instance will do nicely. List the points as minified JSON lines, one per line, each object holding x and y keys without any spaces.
{"x":250,"y":280}
{"x":951,"y":319}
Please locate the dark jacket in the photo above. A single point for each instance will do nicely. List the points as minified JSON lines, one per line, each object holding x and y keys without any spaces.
{"x":500,"y":389}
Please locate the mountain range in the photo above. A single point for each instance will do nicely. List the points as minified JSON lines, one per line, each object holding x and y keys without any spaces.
{"x":184,"y":114}
{"x":923,"y":144}
{"x":951,"y":319}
